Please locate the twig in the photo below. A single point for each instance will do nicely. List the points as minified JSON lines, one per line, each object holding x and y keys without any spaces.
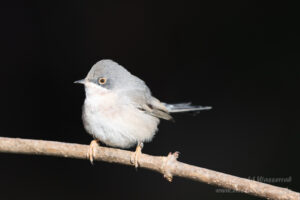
{"x":168,"y":166}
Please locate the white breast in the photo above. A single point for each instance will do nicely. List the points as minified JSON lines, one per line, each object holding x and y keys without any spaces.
{"x":114,"y":123}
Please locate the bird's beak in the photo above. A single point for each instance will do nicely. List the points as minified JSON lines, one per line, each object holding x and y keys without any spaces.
{"x":80,"y":81}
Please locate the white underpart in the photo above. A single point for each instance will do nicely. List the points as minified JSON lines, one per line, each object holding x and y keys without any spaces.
{"x":114,"y":123}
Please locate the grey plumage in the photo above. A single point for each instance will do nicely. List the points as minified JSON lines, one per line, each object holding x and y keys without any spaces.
{"x":119,"y":109}
{"x":129,"y":86}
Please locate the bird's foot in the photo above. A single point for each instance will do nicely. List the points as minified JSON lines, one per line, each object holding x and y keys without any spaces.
{"x":91,"y":151}
{"x":136,"y":155}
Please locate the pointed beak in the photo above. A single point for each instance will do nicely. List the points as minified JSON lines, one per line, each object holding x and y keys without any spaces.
{"x":80,"y":81}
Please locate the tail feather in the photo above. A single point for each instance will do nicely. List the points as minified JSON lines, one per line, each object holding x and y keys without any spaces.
{"x":185,"y":107}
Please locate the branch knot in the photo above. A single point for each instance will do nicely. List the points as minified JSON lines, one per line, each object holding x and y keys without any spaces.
{"x":167,"y":162}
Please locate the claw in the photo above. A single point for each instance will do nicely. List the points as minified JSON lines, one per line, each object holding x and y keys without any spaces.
{"x":91,"y":151}
{"x":136,"y":155}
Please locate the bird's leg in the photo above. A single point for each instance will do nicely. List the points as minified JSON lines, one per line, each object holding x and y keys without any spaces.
{"x":135,"y":156}
{"x":91,"y":152}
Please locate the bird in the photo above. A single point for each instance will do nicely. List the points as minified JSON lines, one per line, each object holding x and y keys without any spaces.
{"x":120,"y":111}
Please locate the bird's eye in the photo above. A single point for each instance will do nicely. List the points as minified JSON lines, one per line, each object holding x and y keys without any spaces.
{"x":102,"y":81}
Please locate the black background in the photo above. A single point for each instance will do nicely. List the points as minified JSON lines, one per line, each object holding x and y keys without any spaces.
{"x":232,"y":55}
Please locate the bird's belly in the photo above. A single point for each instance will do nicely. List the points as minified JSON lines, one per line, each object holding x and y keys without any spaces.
{"x":119,"y":126}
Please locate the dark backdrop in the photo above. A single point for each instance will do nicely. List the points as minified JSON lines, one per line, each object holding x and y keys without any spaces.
{"x":232,"y":55}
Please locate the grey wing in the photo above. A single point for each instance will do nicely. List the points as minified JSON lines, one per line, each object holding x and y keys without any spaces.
{"x":144,"y":101}
{"x":155,"y":108}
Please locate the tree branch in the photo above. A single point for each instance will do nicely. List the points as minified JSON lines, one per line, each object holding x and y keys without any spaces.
{"x":168,"y":166}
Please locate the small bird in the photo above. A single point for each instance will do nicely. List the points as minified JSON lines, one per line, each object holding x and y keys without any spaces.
{"x":120,"y":111}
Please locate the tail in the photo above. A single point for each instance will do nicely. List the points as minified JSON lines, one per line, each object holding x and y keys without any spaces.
{"x":185,"y":107}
